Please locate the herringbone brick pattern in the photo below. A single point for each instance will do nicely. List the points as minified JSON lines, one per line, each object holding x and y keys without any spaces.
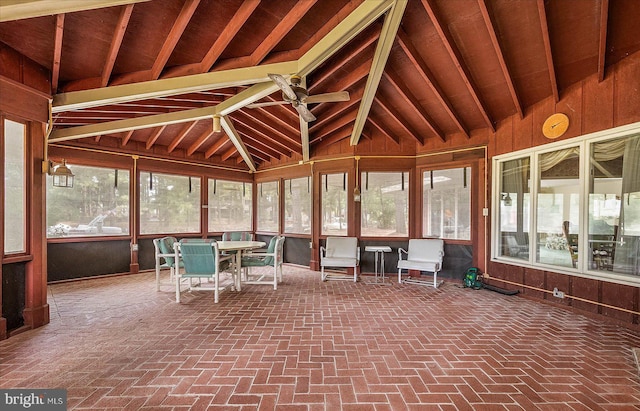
{"x":117,"y":344}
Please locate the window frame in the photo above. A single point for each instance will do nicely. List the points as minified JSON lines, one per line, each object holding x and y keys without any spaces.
{"x":408,"y":186}
{"x":277,"y":203}
{"x":10,"y":256}
{"x":248,"y":184}
{"x":584,"y":143}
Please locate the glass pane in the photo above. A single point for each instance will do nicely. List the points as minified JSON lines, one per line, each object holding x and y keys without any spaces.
{"x":297,"y":205}
{"x":229,"y":205}
{"x":15,"y":200}
{"x":169,"y":204}
{"x":558,"y":207}
{"x":268,"y":210}
{"x":97,"y":205}
{"x":385,"y":198}
{"x":513,"y":205}
{"x":446,"y":203}
{"x":614,"y":206}
{"x":334,"y":204}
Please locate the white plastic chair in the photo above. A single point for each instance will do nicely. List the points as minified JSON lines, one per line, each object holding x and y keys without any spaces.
{"x":340,"y":252}
{"x":423,"y":255}
{"x":272,"y":257}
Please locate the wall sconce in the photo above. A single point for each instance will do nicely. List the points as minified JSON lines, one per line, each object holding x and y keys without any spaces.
{"x":62,"y":175}
{"x":506,"y":200}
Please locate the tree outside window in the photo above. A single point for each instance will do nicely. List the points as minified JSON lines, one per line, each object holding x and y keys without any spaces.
{"x":230,"y":205}
{"x":333,"y":194}
{"x":384,"y":206}
{"x":169,"y":204}
{"x":15,"y":200}
{"x":96,"y":205}
{"x":297,"y":205}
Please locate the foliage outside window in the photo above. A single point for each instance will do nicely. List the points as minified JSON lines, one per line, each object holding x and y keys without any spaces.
{"x":268,"y":206}
{"x":447,"y":203}
{"x":297,"y":205}
{"x":599,"y":234}
{"x":384,"y":210}
{"x":97,"y":205}
{"x":15,"y":192}
{"x":230,"y":205}
{"x":334,"y":204}
{"x":169,"y":204}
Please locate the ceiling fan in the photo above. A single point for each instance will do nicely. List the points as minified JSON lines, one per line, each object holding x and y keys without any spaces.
{"x":298,"y":96}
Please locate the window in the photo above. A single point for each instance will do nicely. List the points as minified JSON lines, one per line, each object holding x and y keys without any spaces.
{"x":385,"y":199}
{"x":15,"y":192}
{"x":97,"y":205}
{"x":268,"y":209}
{"x":614,"y":206}
{"x":513,"y":206}
{"x":334,"y":204}
{"x":557,"y":202}
{"x":297,"y":205}
{"x":230,"y":205}
{"x":586,"y":198}
{"x":446,"y":203}
{"x":169,"y":204}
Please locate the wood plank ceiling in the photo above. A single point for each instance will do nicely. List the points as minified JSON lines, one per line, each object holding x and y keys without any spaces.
{"x":149,"y":76}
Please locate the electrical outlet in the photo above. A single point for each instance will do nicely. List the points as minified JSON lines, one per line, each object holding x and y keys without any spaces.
{"x":557,"y":293}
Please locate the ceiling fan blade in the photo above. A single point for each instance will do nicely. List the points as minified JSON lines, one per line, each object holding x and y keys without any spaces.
{"x":304,"y":112}
{"x":327,"y":97}
{"x":266,"y":104}
{"x":284,"y":86}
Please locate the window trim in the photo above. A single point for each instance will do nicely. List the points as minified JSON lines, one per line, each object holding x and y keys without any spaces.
{"x":584,"y":143}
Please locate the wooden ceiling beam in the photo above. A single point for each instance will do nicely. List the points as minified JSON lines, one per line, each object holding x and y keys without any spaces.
{"x":216,"y":146}
{"x":278,"y":120}
{"x":233,"y":135}
{"x":228,"y":153}
{"x":181,"y":135}
{"x":412,"y":102}
{"x":366,"y":13}
{"x":202,"y":138}
{"x":337,"y":110}
{"x":57,"y":53}
{"x":544,"y":28}
{"x":385,"y":42}
{"x":285,"y":25}
{"x":488,"y":22}
{"x":339,"y":134}
{"x":267,"y":132}
{"x":357,"y":49}
{"x":188,"y":8}
{"x":328,"y":128}
{"x":116,"y":42}
{"x":76,"y":100}
{"x":382,"y":129}
{"x":429,"y":78}
{"x":253,"y":143}
{"x":602,"y":45}
{"x":397,"y":117}
{"x":458,"y":61}
{"x":126,"y":138}
{"x":26,"y":9}
{"x":154,"y":136}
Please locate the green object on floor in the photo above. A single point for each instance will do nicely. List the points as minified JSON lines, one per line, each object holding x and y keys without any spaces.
{"x":471,"y":279}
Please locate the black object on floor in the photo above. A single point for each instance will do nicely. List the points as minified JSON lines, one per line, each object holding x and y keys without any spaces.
{"x":500,"y":290}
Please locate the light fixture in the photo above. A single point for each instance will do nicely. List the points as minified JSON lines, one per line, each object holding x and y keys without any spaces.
{"x":506,"y":200}
{"x":62,"y":175}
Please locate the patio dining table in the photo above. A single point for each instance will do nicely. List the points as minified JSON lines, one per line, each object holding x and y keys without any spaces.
{"x":240,"y":247}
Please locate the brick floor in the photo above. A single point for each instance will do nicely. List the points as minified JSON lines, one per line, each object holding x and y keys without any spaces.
{"x":117,"y":344}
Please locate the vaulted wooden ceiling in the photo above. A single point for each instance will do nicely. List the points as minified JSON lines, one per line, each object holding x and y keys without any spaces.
{"x":150,"y":76}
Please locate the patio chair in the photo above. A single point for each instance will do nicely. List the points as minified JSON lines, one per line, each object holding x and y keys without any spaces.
{"x":165,"y":257}
{"x":272,"y":257}
{"x":237,"y":236}
{"x":202,"y":261}
{"x":423,"y":255}
{"x":340,"y":252}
